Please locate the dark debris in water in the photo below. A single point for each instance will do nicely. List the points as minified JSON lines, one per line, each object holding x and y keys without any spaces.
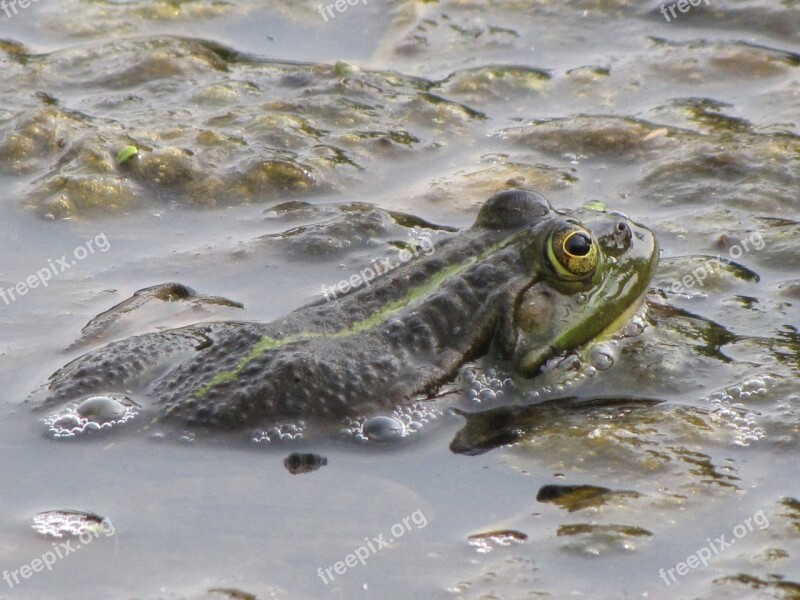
{"x":489,"y":540}
{"x":232,"y":593}
{"x":792,"y":511}
{"x":589,"y":528}
{"x":776,"y":584}
{"x":579,"y":497}
{"x":304,"y":462}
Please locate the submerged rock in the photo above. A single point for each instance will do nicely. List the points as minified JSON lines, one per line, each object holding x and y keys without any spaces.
{"x":246,"y":130}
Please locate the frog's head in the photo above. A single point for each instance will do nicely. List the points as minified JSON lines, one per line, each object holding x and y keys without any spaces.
{"x":587,"y":272}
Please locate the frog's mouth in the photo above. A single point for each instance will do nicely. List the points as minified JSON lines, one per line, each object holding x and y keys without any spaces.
{"x":532,"y":360}
{"x":618,"y":323}
{"x":615,"y":297}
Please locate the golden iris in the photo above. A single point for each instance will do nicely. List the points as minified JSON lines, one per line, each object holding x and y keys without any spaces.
{"x":572,"y":252}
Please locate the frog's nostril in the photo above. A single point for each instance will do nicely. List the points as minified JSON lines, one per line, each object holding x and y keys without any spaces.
{"x":617,"y":237}
{"x":622,"y":234}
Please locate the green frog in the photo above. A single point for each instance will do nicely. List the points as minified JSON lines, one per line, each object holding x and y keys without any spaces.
{"x":524,"y":283}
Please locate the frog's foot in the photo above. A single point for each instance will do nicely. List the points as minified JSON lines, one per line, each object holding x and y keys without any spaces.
{"x":147,"y":308}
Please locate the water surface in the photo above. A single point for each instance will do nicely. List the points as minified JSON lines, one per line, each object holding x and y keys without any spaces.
{"x":689,"y":126}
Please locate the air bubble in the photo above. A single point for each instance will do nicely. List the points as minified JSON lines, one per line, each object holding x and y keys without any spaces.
{"x":382,"y":428}
{"x":98,"y":412}
{"x":467,"y":375}
{"x":487,"y":395}
{"x":283,"y":432}
{"x":635,"y":327}
{"x":403,"y":421}
{"x":102,"y":409}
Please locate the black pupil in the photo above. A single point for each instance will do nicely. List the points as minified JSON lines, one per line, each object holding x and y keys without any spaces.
{"x":578,"y":244}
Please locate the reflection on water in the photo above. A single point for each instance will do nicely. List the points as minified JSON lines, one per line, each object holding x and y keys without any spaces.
{"x":426,"y":109}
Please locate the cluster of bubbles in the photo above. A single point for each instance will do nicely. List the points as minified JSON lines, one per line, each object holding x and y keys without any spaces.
{"x":66,"y":523}
{"x":402,"y":422}
{"x":558,"y":375}
{"x":567,"y":372}
{"x":95,"y":413}
{"x":281,"y":432}
{"x":485,"y":386}
{"x":728,"y":411}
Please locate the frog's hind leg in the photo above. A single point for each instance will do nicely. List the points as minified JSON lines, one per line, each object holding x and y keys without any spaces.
{"x":125,"y":364}
{"x":147,"y":309}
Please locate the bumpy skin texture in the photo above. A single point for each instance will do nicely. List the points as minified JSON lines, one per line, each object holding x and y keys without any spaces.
{"x":370,"y":349}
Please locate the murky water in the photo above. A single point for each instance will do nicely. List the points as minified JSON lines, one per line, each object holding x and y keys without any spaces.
{"x":690,"y":126}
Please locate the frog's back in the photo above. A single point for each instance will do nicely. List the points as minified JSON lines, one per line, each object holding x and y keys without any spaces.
{"x":374,"y":347}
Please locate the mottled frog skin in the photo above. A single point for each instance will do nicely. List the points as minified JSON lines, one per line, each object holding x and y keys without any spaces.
{"x":523,"y":283}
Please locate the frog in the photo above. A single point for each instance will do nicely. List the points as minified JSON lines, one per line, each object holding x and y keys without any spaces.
{"x":524,"y":283}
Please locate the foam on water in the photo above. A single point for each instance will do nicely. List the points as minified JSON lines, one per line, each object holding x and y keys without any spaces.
{"x":728,"y":408}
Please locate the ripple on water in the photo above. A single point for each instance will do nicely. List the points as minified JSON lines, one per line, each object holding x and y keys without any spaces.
{"x":94,"y":413}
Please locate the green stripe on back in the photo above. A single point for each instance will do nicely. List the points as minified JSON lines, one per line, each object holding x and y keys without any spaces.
{"x":414,"y":294}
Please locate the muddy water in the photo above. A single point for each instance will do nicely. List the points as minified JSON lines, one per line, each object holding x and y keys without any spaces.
{"x":689,"y":126}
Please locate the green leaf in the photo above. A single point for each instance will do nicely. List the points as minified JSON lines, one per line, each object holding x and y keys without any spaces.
{"x":595,"y":205}
{"x":126,"y":154}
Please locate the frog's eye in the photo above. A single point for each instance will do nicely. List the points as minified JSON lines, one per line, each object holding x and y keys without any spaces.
{"x":572,"y":252}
